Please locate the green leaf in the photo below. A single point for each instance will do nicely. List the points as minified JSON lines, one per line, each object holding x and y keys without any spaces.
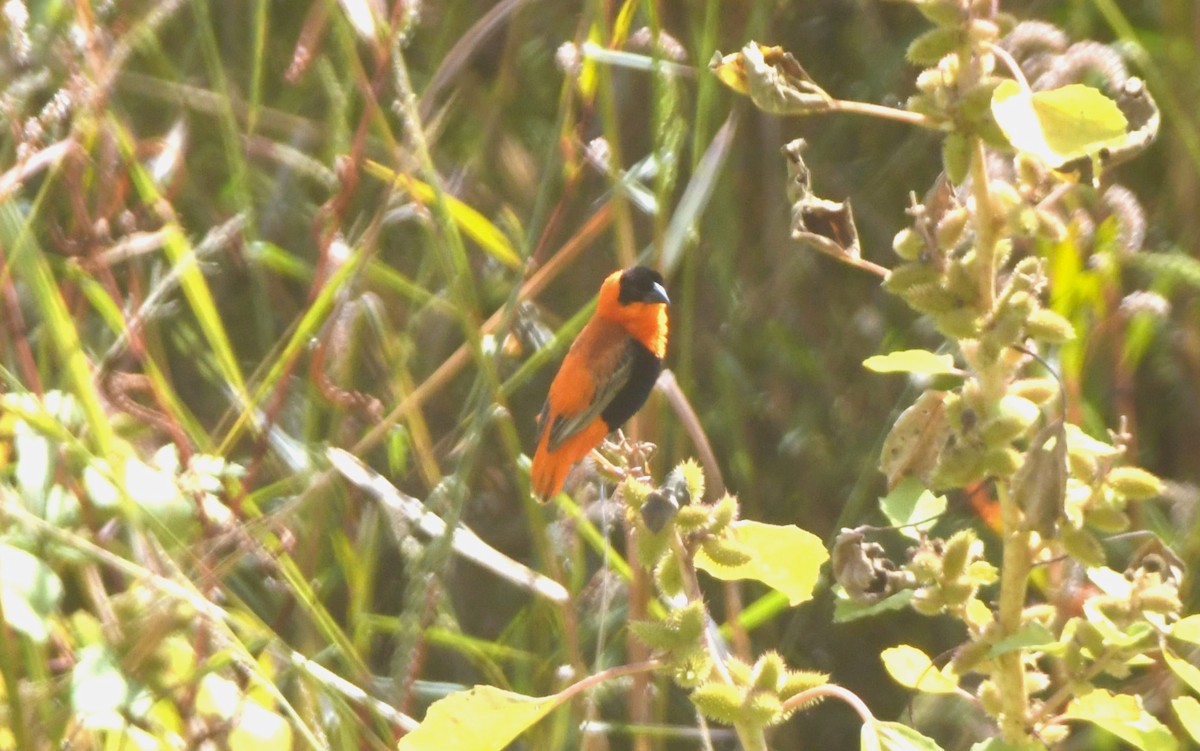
{"x":29,"y":265}
{"x":1123,"y":716}
{"x":1187,"y":629}
{"x":481,"y":719}
{"x":846,"y":609}
{"x":473,"y":224}
{"x":1183,"y":670}
{"x":785,"y":558}
{"x":912,"y":668}
{"x":896,"y":737}
{"x":1187,"y":709}
{"x":911,"y":502}
{"x":1030,"y":636}
{"x":29,"y":592}
{"x":1058,"y":125}
{"x":912,"y":361}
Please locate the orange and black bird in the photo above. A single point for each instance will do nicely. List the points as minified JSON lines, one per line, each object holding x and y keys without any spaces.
{"x":606,"y":376}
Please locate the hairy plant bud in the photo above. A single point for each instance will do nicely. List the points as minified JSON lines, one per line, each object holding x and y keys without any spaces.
{"x":1134,"y":483}
{"x":720,"y":702}
{"x":768,"y":672}
{"x":957,"y":554}
{"x":950,"y":227}
{"x":1050,"y":327}
{"x":726,"y":552}
{"x":908,"y":244}
{"x":690,"y":518}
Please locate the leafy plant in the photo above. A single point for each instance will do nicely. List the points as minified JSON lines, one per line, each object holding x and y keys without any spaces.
{"x":1019,"y":157}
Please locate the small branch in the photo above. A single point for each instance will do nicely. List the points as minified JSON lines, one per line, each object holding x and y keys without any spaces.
{"x":862,"y":263}
{"x":871,"y":737}
{"x":882,"y":111}
{"x":1010,"y":63}
{"x":1014,"y":582}
{"x":691,"y":423}
{"x":620,"y":671}
{"x":985,"y":226}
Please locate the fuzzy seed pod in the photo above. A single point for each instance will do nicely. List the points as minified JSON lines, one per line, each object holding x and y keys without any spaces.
{"x":950,"y":228}
{"x":691,"y":518}
{"x":727,"y":552}
{"x":720,"y":702}
{"x":957,"y":554}
{"x":1050,"y":327}
{"x":908,"y":244}
{"x":1036,"y":390}
{"x":1134,"y":483}
{"x":768,"y":672}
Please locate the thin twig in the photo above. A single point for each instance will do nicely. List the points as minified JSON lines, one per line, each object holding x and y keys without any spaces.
{"x":715,"y":487}
{"x":882,"y":111}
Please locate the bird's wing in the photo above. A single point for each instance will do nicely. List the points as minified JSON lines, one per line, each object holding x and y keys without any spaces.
{"x":563,"y":427}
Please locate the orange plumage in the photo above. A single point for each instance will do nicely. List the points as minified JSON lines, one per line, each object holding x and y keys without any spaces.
{"x":606,"y":376}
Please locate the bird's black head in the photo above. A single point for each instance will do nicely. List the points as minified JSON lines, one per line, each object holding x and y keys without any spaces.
{"x":641,"y":284}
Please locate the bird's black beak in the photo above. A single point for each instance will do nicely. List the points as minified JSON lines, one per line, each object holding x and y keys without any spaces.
{"x":658,"y":294}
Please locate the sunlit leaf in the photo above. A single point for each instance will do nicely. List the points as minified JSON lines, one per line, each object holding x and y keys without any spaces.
{"x":1183,"y":670}
{"x":1058,"y":125}
{"x":894,"y":736}
{"x":785,"y":558}
{"x":29,"y":592}
{"x":912,"y":668}
{"x":1187,"y":629}
{"x":911,"y":507}
{"x":481,"y":719}
{"x":1187,"y":709}
{"x":473,"y":224}
{"x":912,"y":361}
{"x":1123,"y":716}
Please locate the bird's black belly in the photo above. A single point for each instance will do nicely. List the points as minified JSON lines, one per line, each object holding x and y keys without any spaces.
{"x":632,"y":396}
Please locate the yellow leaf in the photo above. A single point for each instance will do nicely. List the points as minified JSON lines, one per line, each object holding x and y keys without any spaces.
{"x":1187,"y":709}
{"x":912,"y":668}
{"x":1059,"y":125}
{"x":912,"y":361}
{"x":1187,"y":629}
{"x":785,"y":558}
{"x":1183,"y":670}
{"x":473,"y":224}
{"x":481,"y":719}
{"x":1123,"y":716}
